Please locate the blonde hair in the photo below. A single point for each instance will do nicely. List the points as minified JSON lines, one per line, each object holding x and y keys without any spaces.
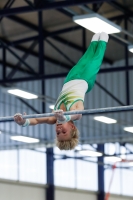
{"x":69,"y":144}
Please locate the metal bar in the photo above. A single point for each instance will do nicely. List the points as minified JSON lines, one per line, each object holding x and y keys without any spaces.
{"x":41,"y":55}
{"x":13,"y":53}
{"x":119,"y":40}
{"x":40,"y":77}
{"x":54,"y":5}
{"x":97,"y":6}
{"x":100,"y":195}
{"x":50,"y":174}
{"x":7,"y":5}
{"x":84,"y":40}
{"x":121,"y":17}
{"x":28,"y":105}
{"x":17,"y":66}
{"x":4,"y":63}
{"x":37,"y":77}
{"x":13,"y":43}
{"x":46,"y":33}
{"x":127,"y":63}
{"x":116,"y":69}
{"x":30,"y":3}
{"x":110,"y":94}
{"x":75,"y":112}
{"x":23,"y":22}
{"x":33,"y":53}
{"x":127,"y":12}
{"x":41,"y":49}
{"x":65,"y":12}
{"x":65,"y":30}
{"x":120,"y":7}
{"x":13,"y":67}
{"x":60,"y":51}
{"x":127,"y":33}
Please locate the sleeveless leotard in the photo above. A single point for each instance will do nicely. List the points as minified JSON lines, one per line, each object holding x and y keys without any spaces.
{"x":72,"y":92}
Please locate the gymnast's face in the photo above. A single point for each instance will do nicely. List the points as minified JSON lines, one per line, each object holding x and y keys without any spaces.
{"x":63,"y":131}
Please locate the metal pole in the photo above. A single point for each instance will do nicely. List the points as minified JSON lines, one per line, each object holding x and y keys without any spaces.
{"x":4,"y":63}
{"x":126,"y":63}
{"x":50,"y":174}
{"x":54,"y":5}
{"x":100,"y":195}
{"x":83,"y":112}
{"x":41,"y":55}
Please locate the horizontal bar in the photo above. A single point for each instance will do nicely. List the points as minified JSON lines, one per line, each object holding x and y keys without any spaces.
{"x":83,"y":112}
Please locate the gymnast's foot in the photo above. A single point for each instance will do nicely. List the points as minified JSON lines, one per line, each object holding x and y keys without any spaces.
{"x":95,"y":37}
{"x":104,"y":36}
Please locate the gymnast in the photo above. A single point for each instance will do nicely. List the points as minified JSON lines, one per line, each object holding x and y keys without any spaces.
{"x":80,"y":80}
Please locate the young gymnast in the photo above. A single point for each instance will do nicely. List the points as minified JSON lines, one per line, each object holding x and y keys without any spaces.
{"x":79,"y":81}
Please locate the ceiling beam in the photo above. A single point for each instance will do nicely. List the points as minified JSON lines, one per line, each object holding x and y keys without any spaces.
{"x":119,"y":17}
{"x":60,"y":75}
{"x":50,"y":34}
{"x":127,"y":12}
{"x":47,"y":34}
{"x":12,"y":66}
{"x":46,"y":58}
{"x":120,"y":7}
{"x":53,"y":5}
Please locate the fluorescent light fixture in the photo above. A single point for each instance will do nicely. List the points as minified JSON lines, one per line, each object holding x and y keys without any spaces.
{"x":130,"y":48}
{"x":51,"y":107}
{"x":112,"y":159}
{"x":129,"y":129}
{"x":21,"y":93}
{"x":24,"y":139}
{"x":106,"y":120}
{"x":96,"y":23}
{"x":90,"y":153}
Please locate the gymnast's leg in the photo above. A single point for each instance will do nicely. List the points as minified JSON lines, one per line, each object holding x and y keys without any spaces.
{"x":91,"y":68}
{"x":90,"y":51}
{"x":75,"y":72}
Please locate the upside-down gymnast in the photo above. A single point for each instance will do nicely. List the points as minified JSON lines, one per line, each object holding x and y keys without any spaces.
{"x":79,"y":81}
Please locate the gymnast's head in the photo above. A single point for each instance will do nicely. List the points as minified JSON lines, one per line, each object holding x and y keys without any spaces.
{"x":66,"y":135}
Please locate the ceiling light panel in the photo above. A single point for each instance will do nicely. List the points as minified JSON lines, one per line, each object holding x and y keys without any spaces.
{"x":129,"y":129}
{"x":23,"y":94}
{"x":104,"y":119}
{"x":96,"y":23}
{"x":24,"y":139}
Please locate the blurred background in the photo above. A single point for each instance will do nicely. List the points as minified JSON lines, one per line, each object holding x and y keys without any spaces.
{"x":40,"y":41}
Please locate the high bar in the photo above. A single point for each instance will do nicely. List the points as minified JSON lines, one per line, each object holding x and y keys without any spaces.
{"x":74,"y":112}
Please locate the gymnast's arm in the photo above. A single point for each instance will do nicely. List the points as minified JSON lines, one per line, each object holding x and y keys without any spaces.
{"x":61,"y":118}
{"x":76,"y":117}
{"x":46,"y":120}
{"x":33,"y":121}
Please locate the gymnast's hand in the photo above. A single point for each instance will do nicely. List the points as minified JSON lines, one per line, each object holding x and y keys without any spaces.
{"x":59,"y":115}
{"x":19,"y":119}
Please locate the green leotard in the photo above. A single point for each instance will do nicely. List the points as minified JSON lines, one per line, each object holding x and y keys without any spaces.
{"x":86,"y":69}
{"x":89,"y":64}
